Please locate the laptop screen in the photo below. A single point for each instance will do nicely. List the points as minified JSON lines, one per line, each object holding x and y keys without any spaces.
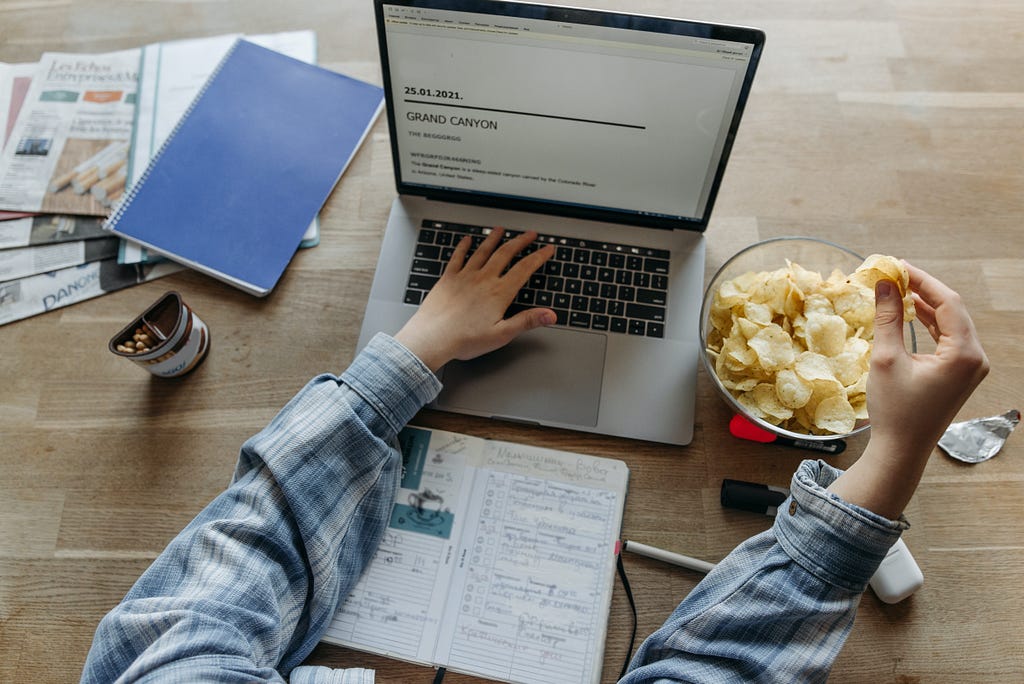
{"x":575,"y":112}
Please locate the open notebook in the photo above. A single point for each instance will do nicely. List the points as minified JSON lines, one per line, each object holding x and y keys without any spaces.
{"x":499,"y":561}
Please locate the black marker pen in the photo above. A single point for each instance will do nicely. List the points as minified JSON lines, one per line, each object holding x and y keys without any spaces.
{"x":749,"y":496}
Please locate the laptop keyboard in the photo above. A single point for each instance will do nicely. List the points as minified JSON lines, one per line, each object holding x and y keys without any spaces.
{"x":593,"y":285}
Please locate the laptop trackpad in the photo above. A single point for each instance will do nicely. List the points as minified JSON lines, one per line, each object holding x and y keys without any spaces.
{"x":545,"y":375}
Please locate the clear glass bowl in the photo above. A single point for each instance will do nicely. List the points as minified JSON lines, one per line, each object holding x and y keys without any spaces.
{"x":813,"y":254}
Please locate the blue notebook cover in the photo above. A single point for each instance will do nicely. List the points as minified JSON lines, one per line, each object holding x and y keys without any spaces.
{"x":249,"y":166}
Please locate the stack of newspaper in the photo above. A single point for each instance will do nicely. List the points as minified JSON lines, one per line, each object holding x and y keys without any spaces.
{"x":79,"y":128}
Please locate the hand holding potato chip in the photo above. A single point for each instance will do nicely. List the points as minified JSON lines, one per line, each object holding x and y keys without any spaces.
{"x":914,"y":397}
{"x":793,"y":347}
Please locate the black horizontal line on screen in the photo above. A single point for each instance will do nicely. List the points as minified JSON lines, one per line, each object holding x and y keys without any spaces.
{"x":536,"y":114}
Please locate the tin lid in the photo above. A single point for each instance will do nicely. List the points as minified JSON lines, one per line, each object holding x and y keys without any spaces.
{"x":164,"y":321}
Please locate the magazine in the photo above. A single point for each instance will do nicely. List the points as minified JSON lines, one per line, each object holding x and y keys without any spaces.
{"x":14,"y":82}
{"x":72,"y":133}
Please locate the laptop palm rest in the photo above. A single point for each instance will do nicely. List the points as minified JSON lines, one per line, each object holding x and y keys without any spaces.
{"x":548,"y":375}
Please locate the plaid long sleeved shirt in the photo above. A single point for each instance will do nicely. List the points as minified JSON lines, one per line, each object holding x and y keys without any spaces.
{"x":246,"y":590}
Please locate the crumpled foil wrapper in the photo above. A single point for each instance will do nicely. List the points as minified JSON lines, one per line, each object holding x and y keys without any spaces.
{"x":974,"y":441}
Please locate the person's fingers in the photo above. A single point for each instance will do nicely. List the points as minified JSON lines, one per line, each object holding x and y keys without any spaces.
{"x":520,"y":273}
{"x":949,"y":313}
{"x":926,"y":316}
{"x":888,"y":346}
{"x":932,"y":290}
{"x":483,"y":253}
{"x":458,"y":259}
{"x":504,"y":254}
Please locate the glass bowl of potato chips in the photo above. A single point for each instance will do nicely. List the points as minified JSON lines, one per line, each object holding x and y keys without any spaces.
{"x":786,"y":330}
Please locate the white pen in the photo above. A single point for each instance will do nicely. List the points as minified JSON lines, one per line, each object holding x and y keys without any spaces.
{"x":667,"y":556}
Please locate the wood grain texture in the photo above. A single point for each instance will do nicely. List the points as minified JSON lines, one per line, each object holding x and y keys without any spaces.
{"x":886,"y":127}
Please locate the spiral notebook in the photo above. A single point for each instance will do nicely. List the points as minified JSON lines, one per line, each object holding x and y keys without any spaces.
{"x":498,"y":561}
{"x":237,"y":183}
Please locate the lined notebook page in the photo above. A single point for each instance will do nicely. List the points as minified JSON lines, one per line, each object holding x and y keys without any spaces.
{"x":396,"y":607}
{"x":530,"y":590}
{"x":389,"y":610}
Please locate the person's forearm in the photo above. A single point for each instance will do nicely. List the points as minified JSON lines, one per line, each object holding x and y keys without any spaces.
{"x":780,"y":606}
{"x":883,"y":479}
{"x":251,"y":584}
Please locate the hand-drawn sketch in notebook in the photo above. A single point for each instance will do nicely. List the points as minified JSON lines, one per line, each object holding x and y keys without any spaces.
{"x":498,"y":561}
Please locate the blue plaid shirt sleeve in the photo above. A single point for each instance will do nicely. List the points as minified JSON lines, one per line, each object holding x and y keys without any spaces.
{"x":245,"y":591}
{"x":780,"y":606}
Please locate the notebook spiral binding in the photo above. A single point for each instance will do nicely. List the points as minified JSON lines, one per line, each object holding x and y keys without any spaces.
{"x":129,"y":195}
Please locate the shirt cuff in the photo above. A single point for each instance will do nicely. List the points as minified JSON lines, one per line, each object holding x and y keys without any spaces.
{"x":837,"y":541}
{"x":318,"y":674}
{"x":392,"y":380}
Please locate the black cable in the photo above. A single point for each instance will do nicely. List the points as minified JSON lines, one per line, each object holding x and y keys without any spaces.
{"x":632,"y":605}
{"x":439,"y":677}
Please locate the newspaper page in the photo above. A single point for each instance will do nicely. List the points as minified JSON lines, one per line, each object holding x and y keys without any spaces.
{"x":72,"y":133}
{"x":41,"y":293}
{"x":46,"y":229}
{"x":28,"y":261}
{"x":171,"y":74}
{"x":14,"y":82}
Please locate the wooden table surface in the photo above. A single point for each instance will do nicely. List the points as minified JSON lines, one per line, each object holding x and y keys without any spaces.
{"x":889,"y":127}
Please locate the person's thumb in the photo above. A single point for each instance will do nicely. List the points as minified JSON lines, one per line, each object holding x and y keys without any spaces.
{"x":888,"y":343}
{"x":526,"y":320}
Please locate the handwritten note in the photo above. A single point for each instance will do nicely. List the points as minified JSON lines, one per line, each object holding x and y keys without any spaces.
{"x":389,"y":609}
{"x":528,"y":597}
{"x":553,"y":464}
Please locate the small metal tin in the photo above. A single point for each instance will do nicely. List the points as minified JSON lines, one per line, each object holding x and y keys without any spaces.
{"x":169,"y":338}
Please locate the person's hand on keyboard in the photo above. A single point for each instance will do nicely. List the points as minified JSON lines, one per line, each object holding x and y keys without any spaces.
{"x":462,"y":317}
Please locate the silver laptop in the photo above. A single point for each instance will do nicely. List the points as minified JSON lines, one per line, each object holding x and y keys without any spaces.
{"x":606,"y":133}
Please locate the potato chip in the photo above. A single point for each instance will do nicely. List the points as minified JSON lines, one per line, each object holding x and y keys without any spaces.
{"x":772,"y":293}
{"x":878,"y":267}
{"x":736,"y":355}
{"x":801,"y":421}
{"x":794,"y":348}
{"x":859,"y":387}
{"x":860,"y":407}
{"x":812,"y":367}
{"x":763,"y":403}
{"x":818,"y":303}
{"x":759,"y":314}
{"x":847,"y":368}
{"x":741,"y":385}
{"x":792,"y":391}
{"x":774,"y":348}
{"x":805,"y":280}
{"x":835,"y":414}
{"x":746,"y":327}
{"x":856,"y":305}
{"x":763,"y":396}
{"x":825,"y":334}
